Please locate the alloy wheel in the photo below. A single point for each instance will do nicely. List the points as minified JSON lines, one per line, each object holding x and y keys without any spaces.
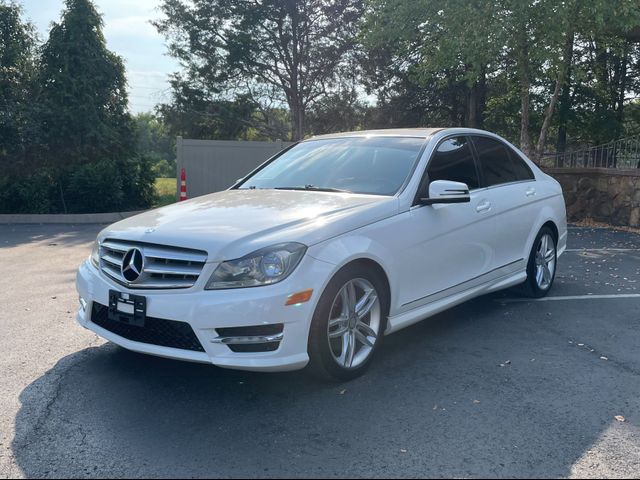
{"x":354,"y":323}
{"x":545,"y":261}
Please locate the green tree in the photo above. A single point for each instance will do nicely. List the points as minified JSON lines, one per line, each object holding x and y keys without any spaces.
{"x":196,"y":113}
{"x":17,"y":63}
{"x":87,"y":138}
{"x":291,"y":47}
{"x":155,"y":142}
{"x":427,"y":50}
{"x":527,"y":69}
{"x":83,"y":98}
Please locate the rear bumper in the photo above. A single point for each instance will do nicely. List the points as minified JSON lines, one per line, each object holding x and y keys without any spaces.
{"x":206,"y":311}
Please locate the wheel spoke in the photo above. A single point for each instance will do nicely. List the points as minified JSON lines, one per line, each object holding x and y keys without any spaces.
{"x":351,"y":297}
{"x":539,"y":275}
{"x":344,"y":299}
{"x":350,"y":349}
{"x":363,"y":339}
{"x":366,"y":329}
{"x":546,"y":274}
{"x":339,"y":326}
{"x":549,"y":256}
{"x":366,"y":303}
{"x":341,"y":320}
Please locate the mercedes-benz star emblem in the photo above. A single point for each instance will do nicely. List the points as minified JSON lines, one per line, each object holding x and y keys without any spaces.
{"x":132,"y":265}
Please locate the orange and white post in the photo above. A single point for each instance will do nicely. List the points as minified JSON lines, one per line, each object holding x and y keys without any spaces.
{"x":183,"y":185}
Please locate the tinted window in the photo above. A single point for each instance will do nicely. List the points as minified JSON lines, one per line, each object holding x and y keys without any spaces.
{"x":495,"y":161}
{"x":376,"y":165}
{"x":523,"y":172}
{"x":453,"y":160}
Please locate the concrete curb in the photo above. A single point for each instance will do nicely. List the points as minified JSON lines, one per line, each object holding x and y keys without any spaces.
{"x":8,"y":219}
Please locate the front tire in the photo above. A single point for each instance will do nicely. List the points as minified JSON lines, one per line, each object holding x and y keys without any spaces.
{"x":541,"y":267}
{"x":348,"y":323}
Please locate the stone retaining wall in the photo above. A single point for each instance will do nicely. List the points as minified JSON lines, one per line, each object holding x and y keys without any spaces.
{"x":603,"y":195}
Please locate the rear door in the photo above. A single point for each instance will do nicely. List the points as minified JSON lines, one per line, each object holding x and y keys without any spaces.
{"x":511,"y":191}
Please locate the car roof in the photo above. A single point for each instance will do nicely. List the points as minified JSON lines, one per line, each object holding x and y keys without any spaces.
{"x":387,"y":132}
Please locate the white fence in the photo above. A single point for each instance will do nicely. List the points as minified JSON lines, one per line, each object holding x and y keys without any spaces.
{"x":214,"y":165}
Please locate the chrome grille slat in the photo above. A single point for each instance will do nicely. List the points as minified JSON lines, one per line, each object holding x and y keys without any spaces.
{"x":174,"y":255}
{"x":113,"y":273}
{"x":118,"y":247}
{"x":167,"y":269}
{"x":112,"y":260}
{"x":164,"y":267}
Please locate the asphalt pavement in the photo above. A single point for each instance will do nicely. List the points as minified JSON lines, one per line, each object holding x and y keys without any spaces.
{"x":497,"y":387}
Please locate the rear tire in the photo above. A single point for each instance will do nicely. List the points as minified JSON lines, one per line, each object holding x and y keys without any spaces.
{"x":348,"y":324}
{"x":542,"y":265}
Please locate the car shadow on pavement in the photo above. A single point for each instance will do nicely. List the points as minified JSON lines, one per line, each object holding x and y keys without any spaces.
{"x":478,"y":391}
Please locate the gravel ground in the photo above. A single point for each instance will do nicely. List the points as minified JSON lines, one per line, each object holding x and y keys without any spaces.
{"x":497,"y":387}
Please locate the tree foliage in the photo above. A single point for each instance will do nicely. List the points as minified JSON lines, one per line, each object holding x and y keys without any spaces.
{"x":65,"y":129}
{"x":17,"y":65}
{"x":82,"y":92}
{"x":293,"y":48}
{"x":153,"y":138}
{"x":525,"y":69}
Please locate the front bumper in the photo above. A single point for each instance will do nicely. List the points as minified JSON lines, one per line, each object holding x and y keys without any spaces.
{"x":208,"y":310}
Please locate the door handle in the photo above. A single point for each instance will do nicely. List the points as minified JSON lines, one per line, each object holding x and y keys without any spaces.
{"x":530,"y":192}
{"x":483,"y":206}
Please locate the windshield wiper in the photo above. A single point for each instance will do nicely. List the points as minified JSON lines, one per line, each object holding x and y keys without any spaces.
{"x":315,"y":188}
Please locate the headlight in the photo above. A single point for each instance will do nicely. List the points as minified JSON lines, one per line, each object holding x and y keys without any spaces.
{"x":95,"y":254}
{"x":264,"y":267}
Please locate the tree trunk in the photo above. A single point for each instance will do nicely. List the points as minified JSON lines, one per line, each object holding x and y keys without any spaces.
{"x":297,"y":118}
{"x":481,"y":105}
{"x":564,"y":107}
{"x":622,"y":86}
{"x":567,"y":55}
{"x":476,"y":101}
{"x":470,"y":110}
{"x":525,"y":87}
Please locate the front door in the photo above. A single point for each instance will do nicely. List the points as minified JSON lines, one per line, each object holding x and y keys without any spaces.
{"x":445,"y":246}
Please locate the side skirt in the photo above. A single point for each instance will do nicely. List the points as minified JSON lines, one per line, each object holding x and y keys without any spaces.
{"x":405,"y":319}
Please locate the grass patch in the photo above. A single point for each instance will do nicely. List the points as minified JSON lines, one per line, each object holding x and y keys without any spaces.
{"x":165,"y":191}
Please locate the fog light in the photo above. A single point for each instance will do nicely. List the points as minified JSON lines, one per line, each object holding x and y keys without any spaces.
{"x":83,"y":303}
{"x":300,"y":297}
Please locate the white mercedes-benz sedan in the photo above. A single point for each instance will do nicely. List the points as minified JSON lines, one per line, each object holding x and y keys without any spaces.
{"x":324,"y":249}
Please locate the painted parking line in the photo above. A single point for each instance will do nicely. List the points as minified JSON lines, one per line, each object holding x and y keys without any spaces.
{"x":569,"y":297}
{"x":602,"y":250}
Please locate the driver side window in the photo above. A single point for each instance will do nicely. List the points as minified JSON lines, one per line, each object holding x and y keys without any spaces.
{"x":453,"y":160}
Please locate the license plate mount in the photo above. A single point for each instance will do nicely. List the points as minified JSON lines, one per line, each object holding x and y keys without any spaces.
{"x":127,"y":308}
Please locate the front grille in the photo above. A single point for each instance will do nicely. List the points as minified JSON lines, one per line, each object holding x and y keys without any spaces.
{"x":156,"y":331}
{"x":164,"y":267}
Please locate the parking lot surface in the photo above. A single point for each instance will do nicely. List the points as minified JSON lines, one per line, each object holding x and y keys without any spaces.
{"x":497,"y":387}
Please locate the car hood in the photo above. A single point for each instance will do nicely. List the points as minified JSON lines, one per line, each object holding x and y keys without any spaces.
{"x":233,"y":223}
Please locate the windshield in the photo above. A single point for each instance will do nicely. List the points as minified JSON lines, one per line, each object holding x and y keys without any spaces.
{"x":370,"y":165}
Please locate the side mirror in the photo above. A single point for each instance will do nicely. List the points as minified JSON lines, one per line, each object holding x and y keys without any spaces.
{"x":446,"y":191}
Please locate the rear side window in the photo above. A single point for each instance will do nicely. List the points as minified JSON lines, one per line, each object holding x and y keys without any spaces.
{"x":523,"y":172}
{"x":495,"y":162}
{"x":453,"y":160}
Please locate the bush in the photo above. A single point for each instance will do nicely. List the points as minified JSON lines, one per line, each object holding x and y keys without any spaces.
{"x":94,"y":188}
{"x":110,"y":186}
{"x":27,"y":194}
{"x":138,"y":183}
{"x":100,"y":186}
{"x":162,"y":168}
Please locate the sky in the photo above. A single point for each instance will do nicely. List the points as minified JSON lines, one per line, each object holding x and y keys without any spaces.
{"x":128,"y":34}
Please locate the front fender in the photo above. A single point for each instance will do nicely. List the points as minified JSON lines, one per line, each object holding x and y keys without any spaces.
{"x":340,"y":251}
